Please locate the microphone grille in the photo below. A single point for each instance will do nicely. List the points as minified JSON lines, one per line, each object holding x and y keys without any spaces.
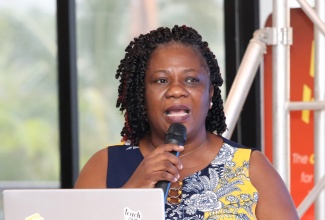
{"x":176,"y":134}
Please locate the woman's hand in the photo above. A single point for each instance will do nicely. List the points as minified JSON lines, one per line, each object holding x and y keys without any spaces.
{"x":158,"y":165}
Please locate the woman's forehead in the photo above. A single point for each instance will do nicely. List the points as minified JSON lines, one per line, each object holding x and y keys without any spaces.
{"x":169,"y":51}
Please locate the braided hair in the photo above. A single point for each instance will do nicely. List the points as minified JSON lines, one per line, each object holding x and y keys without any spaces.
{"x":131,"y":74}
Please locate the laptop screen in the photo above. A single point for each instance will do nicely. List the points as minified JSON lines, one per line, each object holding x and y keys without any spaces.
{"x":79,"y":204}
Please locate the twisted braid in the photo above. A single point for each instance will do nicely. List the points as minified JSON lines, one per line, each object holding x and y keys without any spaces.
{"x":131,"y":73}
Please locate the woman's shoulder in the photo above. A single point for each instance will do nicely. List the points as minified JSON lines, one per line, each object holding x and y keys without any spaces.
{"x":93,"y":174}
{"x":271,"y":189}
{"x":235,"y":144}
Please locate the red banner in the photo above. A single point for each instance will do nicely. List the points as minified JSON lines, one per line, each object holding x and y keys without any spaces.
{"x":301,"y":122}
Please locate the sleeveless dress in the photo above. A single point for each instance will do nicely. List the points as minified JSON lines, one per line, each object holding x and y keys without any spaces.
{"x":222,"y":190}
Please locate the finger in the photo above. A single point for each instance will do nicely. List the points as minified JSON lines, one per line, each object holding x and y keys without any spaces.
{"x":174,"y":160}
{"x":168,"y":157}
{"x":166,"y":167}
{"x":167,"y":175}
{"x":167,"y":148}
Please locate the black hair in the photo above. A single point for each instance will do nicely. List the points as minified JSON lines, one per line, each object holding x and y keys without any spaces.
{"x":131,"y":73}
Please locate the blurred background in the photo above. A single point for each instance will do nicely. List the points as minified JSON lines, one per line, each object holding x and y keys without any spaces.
{"x":31,"y":138}
{"x":29,"y":111}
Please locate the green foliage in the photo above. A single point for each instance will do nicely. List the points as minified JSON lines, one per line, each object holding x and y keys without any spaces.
{"x":28,"y":98}
{"x":28,"y":77}
{"x":29,"y":146}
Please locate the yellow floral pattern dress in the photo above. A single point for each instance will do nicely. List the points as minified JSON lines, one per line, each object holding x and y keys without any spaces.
{"x":220,"y":191}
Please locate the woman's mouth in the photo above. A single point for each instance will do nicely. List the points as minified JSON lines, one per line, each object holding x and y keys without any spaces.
{"x":177,"y":114}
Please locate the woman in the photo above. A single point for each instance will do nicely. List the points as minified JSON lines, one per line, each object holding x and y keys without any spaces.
{"x":171,"y":76}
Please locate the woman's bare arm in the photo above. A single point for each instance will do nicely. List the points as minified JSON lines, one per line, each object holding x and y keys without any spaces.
{"x":93,"y":174}
{"x":274,"y":200}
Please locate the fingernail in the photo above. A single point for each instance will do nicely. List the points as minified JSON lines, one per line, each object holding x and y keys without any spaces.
{"x":181,"y":146}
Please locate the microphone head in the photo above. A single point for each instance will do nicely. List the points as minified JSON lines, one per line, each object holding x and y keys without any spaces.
{"x":176,"y":134}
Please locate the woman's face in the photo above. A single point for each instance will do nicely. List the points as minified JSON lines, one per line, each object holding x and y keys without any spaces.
{"x":177,"y":89}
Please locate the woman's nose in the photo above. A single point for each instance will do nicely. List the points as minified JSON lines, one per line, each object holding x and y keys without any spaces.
{"x":176,"y":90}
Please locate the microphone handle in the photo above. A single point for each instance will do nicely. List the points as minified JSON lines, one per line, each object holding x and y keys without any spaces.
{"x":163,"y":184}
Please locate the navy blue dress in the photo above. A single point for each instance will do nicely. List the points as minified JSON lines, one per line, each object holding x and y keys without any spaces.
{"x":222,"y":190}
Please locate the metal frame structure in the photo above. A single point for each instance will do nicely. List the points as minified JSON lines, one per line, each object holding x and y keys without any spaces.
{"x":241,"y":19}
{"x":280,"y":37}
{"x":67,"y":82}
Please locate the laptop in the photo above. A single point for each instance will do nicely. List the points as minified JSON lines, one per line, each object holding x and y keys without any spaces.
{"x":84,"y":204}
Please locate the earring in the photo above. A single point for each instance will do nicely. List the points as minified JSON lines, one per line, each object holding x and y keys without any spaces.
{"x":211,"y":104}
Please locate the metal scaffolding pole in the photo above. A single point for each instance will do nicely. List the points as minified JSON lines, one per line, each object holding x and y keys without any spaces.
{"x":280,"y":90}
{"x":311,"y":197}
{"x":319,"y":116}
{"x":244,"y":79}
{"x":280,"y":36}
{"x":310,"y":12}
{"x":318,"y":18}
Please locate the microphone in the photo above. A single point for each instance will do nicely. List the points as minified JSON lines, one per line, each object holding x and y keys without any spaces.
{"x":176,"y":134}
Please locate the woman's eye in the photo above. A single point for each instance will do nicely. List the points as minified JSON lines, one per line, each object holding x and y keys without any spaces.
{"x":191,"y":79}
{"x":161,"y":81}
